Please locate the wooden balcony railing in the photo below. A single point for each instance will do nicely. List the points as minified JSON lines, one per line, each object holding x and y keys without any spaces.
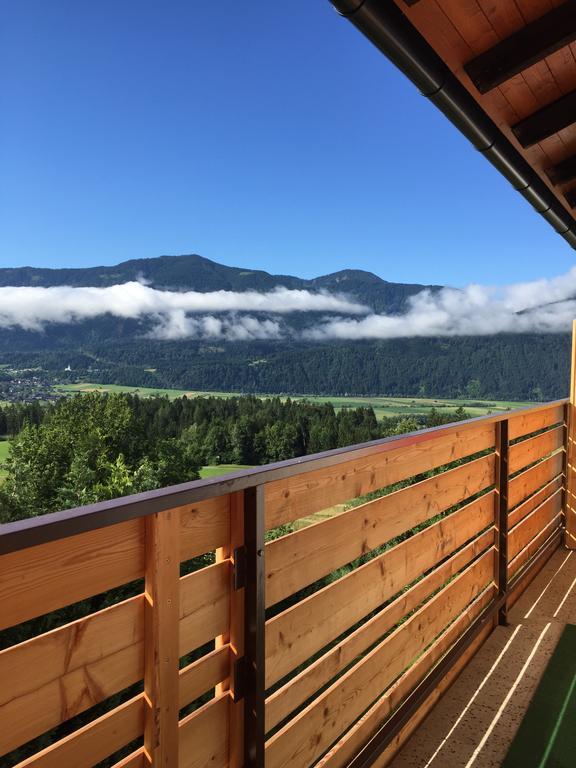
{"x":319,"y":645}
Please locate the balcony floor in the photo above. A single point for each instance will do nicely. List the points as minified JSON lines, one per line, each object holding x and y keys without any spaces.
{"x":474,"y":723}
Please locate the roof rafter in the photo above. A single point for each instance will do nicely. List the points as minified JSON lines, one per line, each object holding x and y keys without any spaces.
{"x":528,"y":45}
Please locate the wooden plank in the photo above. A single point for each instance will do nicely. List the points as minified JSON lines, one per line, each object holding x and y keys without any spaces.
{"x":204,"y":606}
{"x":304,"y":494}
{"x":534,"y":501}
{"x":135,"y":760}
{"x":300,"y":688}
{"x":204,"y":735}
{"x":306,"y":737}
{"x":53,"y":677}
{"x":526,"y":423}
{"x":306,"y":555}
{"x":204,"y":526}
{"x":570,"y":503}
{"x":352,"y":742}
{"x":161,"y":638}
{"x":525,"y":484}
{"x":46,"y":577}
{"x":563,"y":172}
{"x":523,"y":533}
{"x":551,"y":543}
{"x":95,"y":741}
{"x":517,"y":563}
{"x":203,"y":674}
{"x":302,"y":630}
{"x":523,"y":48}
{"x":397,"y":743}
{"x":529,"y":451}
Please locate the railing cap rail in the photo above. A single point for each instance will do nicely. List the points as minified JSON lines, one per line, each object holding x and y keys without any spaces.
{"x":55,"y":525}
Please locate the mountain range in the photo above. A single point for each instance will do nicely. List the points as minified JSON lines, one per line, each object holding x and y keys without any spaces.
{"x":196,"y":273}
{"x":112,"y":349}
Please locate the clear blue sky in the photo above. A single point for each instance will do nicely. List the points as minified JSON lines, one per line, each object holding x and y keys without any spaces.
{"x":265,"y":134}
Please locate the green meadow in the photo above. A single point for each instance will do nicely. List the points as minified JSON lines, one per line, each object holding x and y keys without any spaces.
{"x":383,"y":406}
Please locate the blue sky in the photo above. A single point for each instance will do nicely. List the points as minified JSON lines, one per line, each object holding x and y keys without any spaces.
{"x":268,"y":135}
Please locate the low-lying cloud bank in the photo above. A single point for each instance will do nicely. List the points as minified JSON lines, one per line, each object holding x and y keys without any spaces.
{"x":541,"y":306}
{"x":32,"y":308}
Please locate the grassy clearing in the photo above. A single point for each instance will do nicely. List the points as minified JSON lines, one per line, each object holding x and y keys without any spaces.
{"x":4,"y":450}
{"x":383,"y":406}
{"x":215,"y":470}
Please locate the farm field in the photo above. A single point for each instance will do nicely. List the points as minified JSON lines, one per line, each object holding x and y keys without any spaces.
{"x":383,"y":406}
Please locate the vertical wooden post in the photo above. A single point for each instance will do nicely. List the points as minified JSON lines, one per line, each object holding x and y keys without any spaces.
{"x":161,"y":640}
{"x":502,"y":514}
{"x":234,"y":551}
{"x":570,"y":475}
{"x":255,"y":616}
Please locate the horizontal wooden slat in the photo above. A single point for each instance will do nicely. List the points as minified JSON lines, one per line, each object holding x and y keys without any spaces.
{"x":534,"y":501}
{"x":522,"y":534}
{"x":49,"y":576}
{"x":287,"y":698}
{"x":526,"y":423}
{"x":297,"y":633}
{"x":94,"y":742}
{"x":517,"y":563}
{"x":204,"y":526}
{"x":204,"y":674}
{"x":528,"y":451}
{"x":306,"y":555}
{"x":135,"y":760}
{"x":55,"y":676}
{"x":344,"y":750}
{"x":547,"y":543}
{"x":311,"y":732}
{"x":204,"y":737}
{"x":204,"y":605}
{"x":304,"y":494}
{"x":526,"y":483}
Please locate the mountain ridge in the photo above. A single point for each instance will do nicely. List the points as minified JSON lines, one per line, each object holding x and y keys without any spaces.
{"x":198,"y":273}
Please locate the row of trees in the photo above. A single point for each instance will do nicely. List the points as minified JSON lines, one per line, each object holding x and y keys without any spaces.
{"x":93,"y":447}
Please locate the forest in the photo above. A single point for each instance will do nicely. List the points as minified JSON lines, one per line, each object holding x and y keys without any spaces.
{"x":502,"y":367}
{"x":96,"y":446}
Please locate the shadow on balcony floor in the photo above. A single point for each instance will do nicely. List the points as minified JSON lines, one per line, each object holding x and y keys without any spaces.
{"x":475,"y":722}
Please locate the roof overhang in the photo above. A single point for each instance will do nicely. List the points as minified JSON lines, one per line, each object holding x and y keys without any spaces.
{"x":504,"y":72}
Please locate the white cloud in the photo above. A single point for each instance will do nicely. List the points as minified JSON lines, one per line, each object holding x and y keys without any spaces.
{"x":542,"y":306}
{"x":32,"y":308}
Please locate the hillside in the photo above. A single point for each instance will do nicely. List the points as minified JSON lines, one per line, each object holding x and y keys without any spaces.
{"x":193,"y":272}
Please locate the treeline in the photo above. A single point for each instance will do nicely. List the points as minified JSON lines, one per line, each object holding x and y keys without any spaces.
{"x":505,"y":367}
{"x":93,"y":447}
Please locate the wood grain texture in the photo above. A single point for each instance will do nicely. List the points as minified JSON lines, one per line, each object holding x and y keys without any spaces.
{"x":304,"y":494}
{"x":199,"y":677}
{"x":204,"y":606}
{"x":204,"y":735}
{"x":535,"y":448}
{"x":344,"y":750}
{"x":526,"y":423}
{"x":531,"y":480}
{"x":302,"y":630}
{"x":516,"y":564}
{"x":161,"y":638}
{"x":204,"y":526}
{"x":55,"y":676}
{"x":300,"y":688}
{"x":312,"y":731}
{"x":539,"y":519}
{"x":94,"y":742}
{"x":304,"y":556}
{"x":534,"y":501}
{"x":46,"y":577}
{"x":137,"y":759}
